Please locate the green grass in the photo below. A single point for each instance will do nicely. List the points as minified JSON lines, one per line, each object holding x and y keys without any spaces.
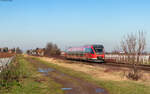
{"x":113,"y":87}
{"x":27,"y":82}
{"x":23,"y":79}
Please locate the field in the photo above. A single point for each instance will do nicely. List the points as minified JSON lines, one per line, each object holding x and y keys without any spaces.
{"x":27,"y":80}
{"x":101,"y":71}
{"x":112,"y":79}
{"x":44,"y":75}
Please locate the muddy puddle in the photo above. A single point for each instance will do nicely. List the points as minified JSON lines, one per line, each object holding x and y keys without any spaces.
{"x":45,"y":71}
{"x":66,"y":88}
{"x":99,"y":90}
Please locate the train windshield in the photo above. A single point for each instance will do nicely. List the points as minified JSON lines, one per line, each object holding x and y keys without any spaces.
{"x":98,"y":50}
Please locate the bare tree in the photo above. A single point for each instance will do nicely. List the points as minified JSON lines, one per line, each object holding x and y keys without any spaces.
{"x":28,"y":52}
{"x":141,"y":44}
{"x":18,"y":51}
{"x":52,"y":50}
{"x":116,"y":50}
{"x":133,"y":46}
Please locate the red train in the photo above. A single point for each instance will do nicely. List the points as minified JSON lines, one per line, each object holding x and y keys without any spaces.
{"x":88,"y":53}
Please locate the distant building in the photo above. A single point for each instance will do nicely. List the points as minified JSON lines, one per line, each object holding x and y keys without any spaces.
{"x":5,"y":49}
{"x":12,"y":51}
{"x":37,"y":52}
{"x":40,"y":52}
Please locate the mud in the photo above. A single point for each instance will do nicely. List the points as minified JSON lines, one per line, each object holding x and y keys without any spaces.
{"x":71,"y":85}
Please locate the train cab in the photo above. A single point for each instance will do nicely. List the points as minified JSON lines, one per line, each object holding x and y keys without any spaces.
{"x":97,"y":53}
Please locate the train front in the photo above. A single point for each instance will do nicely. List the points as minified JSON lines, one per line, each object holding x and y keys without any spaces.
{"x":99,"y":53}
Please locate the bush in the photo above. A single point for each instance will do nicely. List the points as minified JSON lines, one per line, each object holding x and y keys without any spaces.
{"x":12,"y":74}
{"x":134,"y":74}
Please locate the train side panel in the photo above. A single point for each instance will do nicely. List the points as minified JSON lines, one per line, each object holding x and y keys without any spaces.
{"x":89,"y":53}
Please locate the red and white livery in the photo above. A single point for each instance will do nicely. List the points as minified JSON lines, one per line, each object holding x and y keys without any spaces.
{"x":88,"y":53}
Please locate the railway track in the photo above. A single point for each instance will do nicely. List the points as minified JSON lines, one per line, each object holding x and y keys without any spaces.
{"x":114,"y":64}
{"x":141,"y":67}
{"x":107,"y":63}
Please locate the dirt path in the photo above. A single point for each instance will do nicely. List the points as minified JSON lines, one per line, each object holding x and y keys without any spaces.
{"x":71,"y":85}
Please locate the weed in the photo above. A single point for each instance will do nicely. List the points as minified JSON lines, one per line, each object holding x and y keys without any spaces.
{"x":12,"y":74}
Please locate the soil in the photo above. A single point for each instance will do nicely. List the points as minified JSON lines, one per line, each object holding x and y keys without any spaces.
{"x":71,"y":85}
{"x":5,"y":55}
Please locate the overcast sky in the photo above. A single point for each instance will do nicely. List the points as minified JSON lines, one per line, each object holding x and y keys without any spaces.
{"x":33,"y":23}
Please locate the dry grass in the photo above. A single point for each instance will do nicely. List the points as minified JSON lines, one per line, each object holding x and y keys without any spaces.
{"x":106,"y":73}
{"x":96,"y":71}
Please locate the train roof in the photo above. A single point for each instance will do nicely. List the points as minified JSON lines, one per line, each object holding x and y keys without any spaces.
{"x":99,"y":46}
{"x":94,"y":45}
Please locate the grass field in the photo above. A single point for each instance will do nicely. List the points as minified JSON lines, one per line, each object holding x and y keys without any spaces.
{"x":30,"y":81}
{"x":114,"y":87}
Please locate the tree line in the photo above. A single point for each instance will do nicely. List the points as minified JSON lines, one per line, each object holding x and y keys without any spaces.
{"x":50,"y":49}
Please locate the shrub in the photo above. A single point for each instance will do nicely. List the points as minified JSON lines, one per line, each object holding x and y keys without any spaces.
{"x":12,"y":74}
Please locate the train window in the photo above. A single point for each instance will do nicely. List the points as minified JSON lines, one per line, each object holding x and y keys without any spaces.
{"x":89,"y":50}
{"x":98,"y":50}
